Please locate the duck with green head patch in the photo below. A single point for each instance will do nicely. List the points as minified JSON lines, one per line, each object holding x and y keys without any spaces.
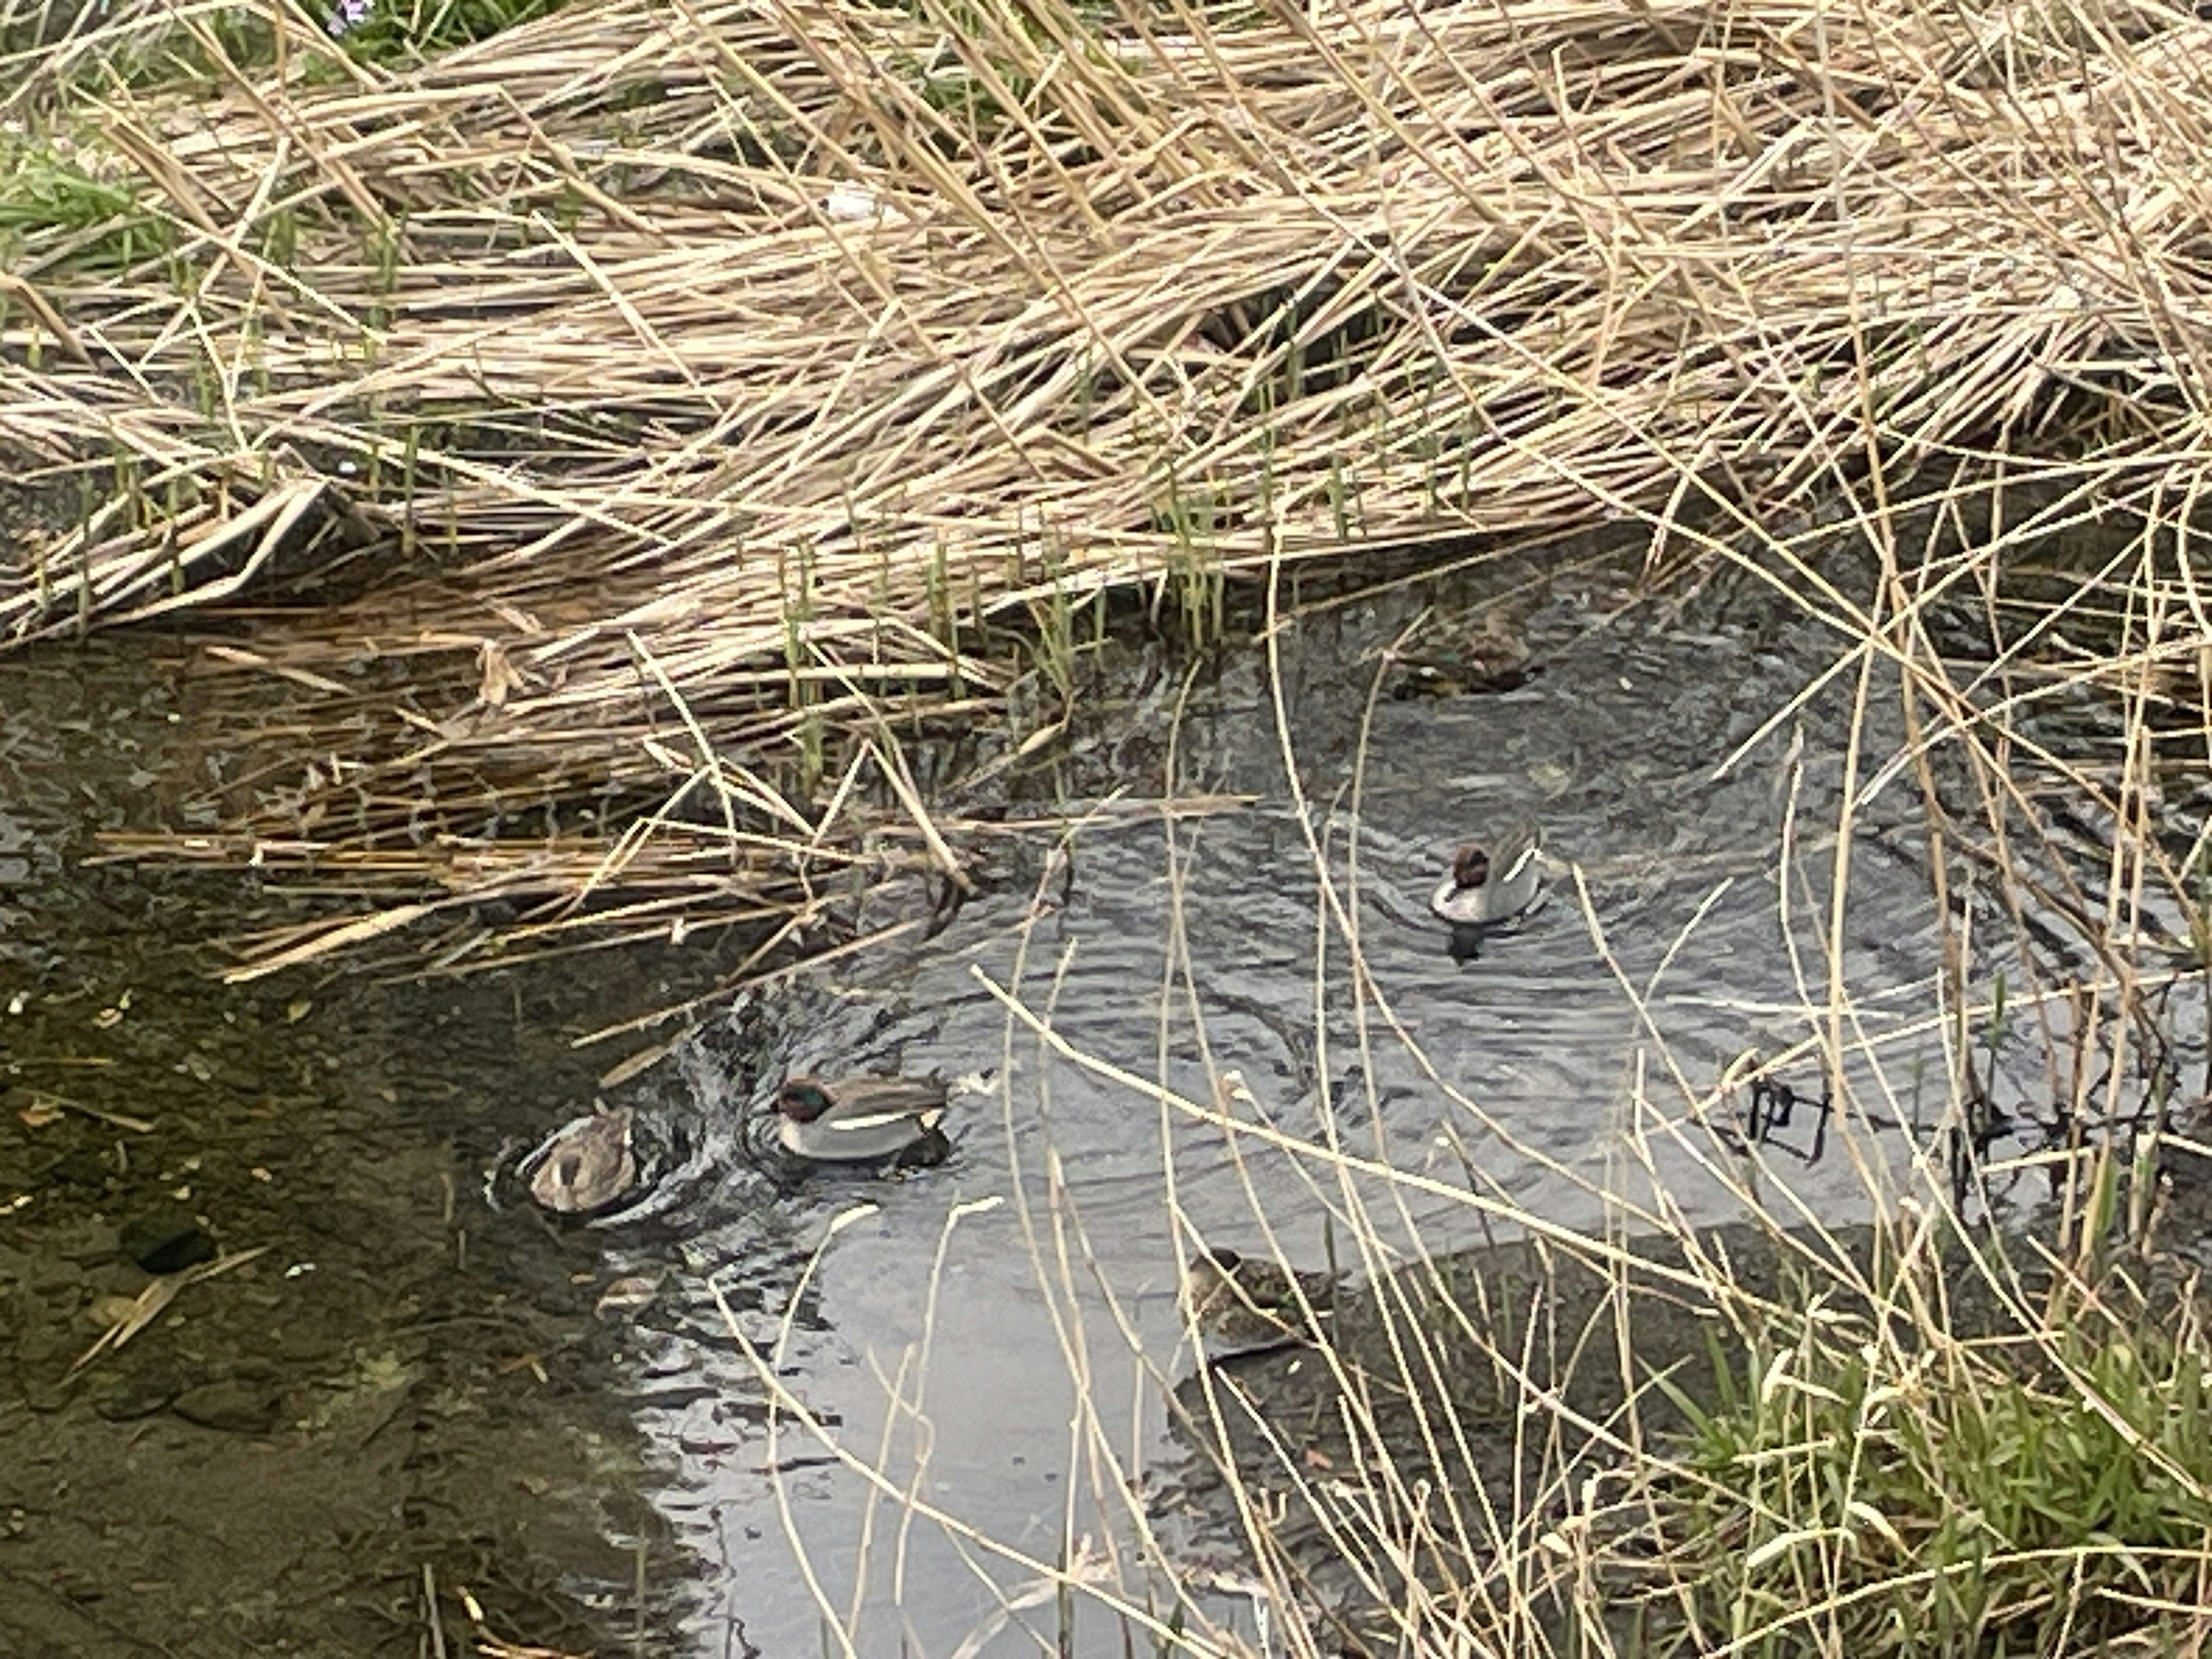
{"x":863,"y":1119}
{"x":1241,"y":1306}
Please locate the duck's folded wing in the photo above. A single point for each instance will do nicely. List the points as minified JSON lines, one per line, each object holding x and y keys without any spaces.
{"x":861,"y":1139}
{"x":923,"y":1118}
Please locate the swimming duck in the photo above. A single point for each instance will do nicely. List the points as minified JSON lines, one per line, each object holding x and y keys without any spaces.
{"x":1467,"y":656}
{"x":1241,"y":1304}
{"x":585,"y":1165}
{"x":1486,"y":888}
{"x":863,"y":1119}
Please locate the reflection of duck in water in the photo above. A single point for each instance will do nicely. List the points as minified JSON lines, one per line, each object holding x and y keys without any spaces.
{"x":863,"y":1119}
{"x":1491,"y":886}
{"x":1241,"y":1304}
{"x":585,"y":1165}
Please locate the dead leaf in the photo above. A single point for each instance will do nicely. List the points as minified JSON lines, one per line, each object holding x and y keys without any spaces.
{"x":496,"y":675}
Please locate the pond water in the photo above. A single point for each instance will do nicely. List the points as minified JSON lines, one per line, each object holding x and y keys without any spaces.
{"x":385,"y":1395}
{"x":944,"y":1319}
{"x":1170,"y":1039}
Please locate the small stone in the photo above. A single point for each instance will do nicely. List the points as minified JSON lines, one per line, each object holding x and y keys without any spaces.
{"x":166,"y":1240}
{"x":80,"y":1168}
{"x":134,"y":1395}
{"x":304,"y":1346}
{"x":103,"y":1311}
{"x":53,"y":1276}
{"x":85,"y":1241}
{"x":234,"y":1406}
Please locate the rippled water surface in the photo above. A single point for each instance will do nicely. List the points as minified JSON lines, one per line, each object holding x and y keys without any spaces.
{"x":874,"y":1414}
{"x":942,"y":1321}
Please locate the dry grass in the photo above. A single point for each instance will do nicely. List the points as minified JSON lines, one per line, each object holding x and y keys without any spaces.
{"x":655,"y":403}
{"x":657,"y":504}
{"x":1933,"y":1436}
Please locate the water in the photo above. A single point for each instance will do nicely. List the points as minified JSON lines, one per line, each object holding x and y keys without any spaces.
{"x":874,"y":1416}
{"x":944,"y":1319}
{"x":395,"y":1393}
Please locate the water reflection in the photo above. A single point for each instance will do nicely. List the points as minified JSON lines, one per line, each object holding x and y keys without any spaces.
{"x":1213,"y":956}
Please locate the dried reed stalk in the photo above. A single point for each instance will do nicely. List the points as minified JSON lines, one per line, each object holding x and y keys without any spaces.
{"x":676,"y":389}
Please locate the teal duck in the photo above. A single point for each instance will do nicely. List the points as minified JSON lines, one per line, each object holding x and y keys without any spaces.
{"x":585,"y":1165}
{"x":1241,"y":1305}
{"x":1490,"y":887}
{"x":862,"y":1120}
{"x":1466,"y":656}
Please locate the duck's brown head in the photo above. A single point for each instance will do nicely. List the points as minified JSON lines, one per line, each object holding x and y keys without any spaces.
{"x":1471,"y":868}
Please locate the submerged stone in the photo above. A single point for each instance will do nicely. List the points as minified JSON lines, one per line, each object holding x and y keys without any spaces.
{"x":166,"y":1240}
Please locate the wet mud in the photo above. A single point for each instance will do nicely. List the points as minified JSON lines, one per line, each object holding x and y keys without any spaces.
{"x":1504,"y":1381}
{"x":368,"y":1390}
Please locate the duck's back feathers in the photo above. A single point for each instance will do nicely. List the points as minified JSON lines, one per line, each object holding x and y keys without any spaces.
{"x":585,"y":1165}
{"x":1241,"y":1306}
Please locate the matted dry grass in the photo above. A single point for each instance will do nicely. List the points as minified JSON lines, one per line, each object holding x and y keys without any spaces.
{"x":674,"y":389}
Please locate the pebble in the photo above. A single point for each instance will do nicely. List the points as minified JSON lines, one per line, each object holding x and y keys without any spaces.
{"x":166,"y":1240}
{"x":141,"y":1393}
{"x":232,"y":1405}
{"x":80,"y":1168}
{"x":52,"y":1275}
{"x":103,"y":1311}
{"x":82,"y":1241}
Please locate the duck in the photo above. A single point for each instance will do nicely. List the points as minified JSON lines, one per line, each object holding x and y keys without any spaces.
{"x":585,"y":1165}
{"x":1241,"y":1305}
{"x":1483,"y":655}
{"x":1488,"y":889}
{"x":862,"y":1120}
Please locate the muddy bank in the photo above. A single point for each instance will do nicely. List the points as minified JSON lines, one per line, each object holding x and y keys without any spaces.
{"x":1512,"y":1425}
{"x":1507,"y":1385}
{"x":394,"y":1390}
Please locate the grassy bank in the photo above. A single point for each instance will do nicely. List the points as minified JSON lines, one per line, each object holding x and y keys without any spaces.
{"x":597,"y":445}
